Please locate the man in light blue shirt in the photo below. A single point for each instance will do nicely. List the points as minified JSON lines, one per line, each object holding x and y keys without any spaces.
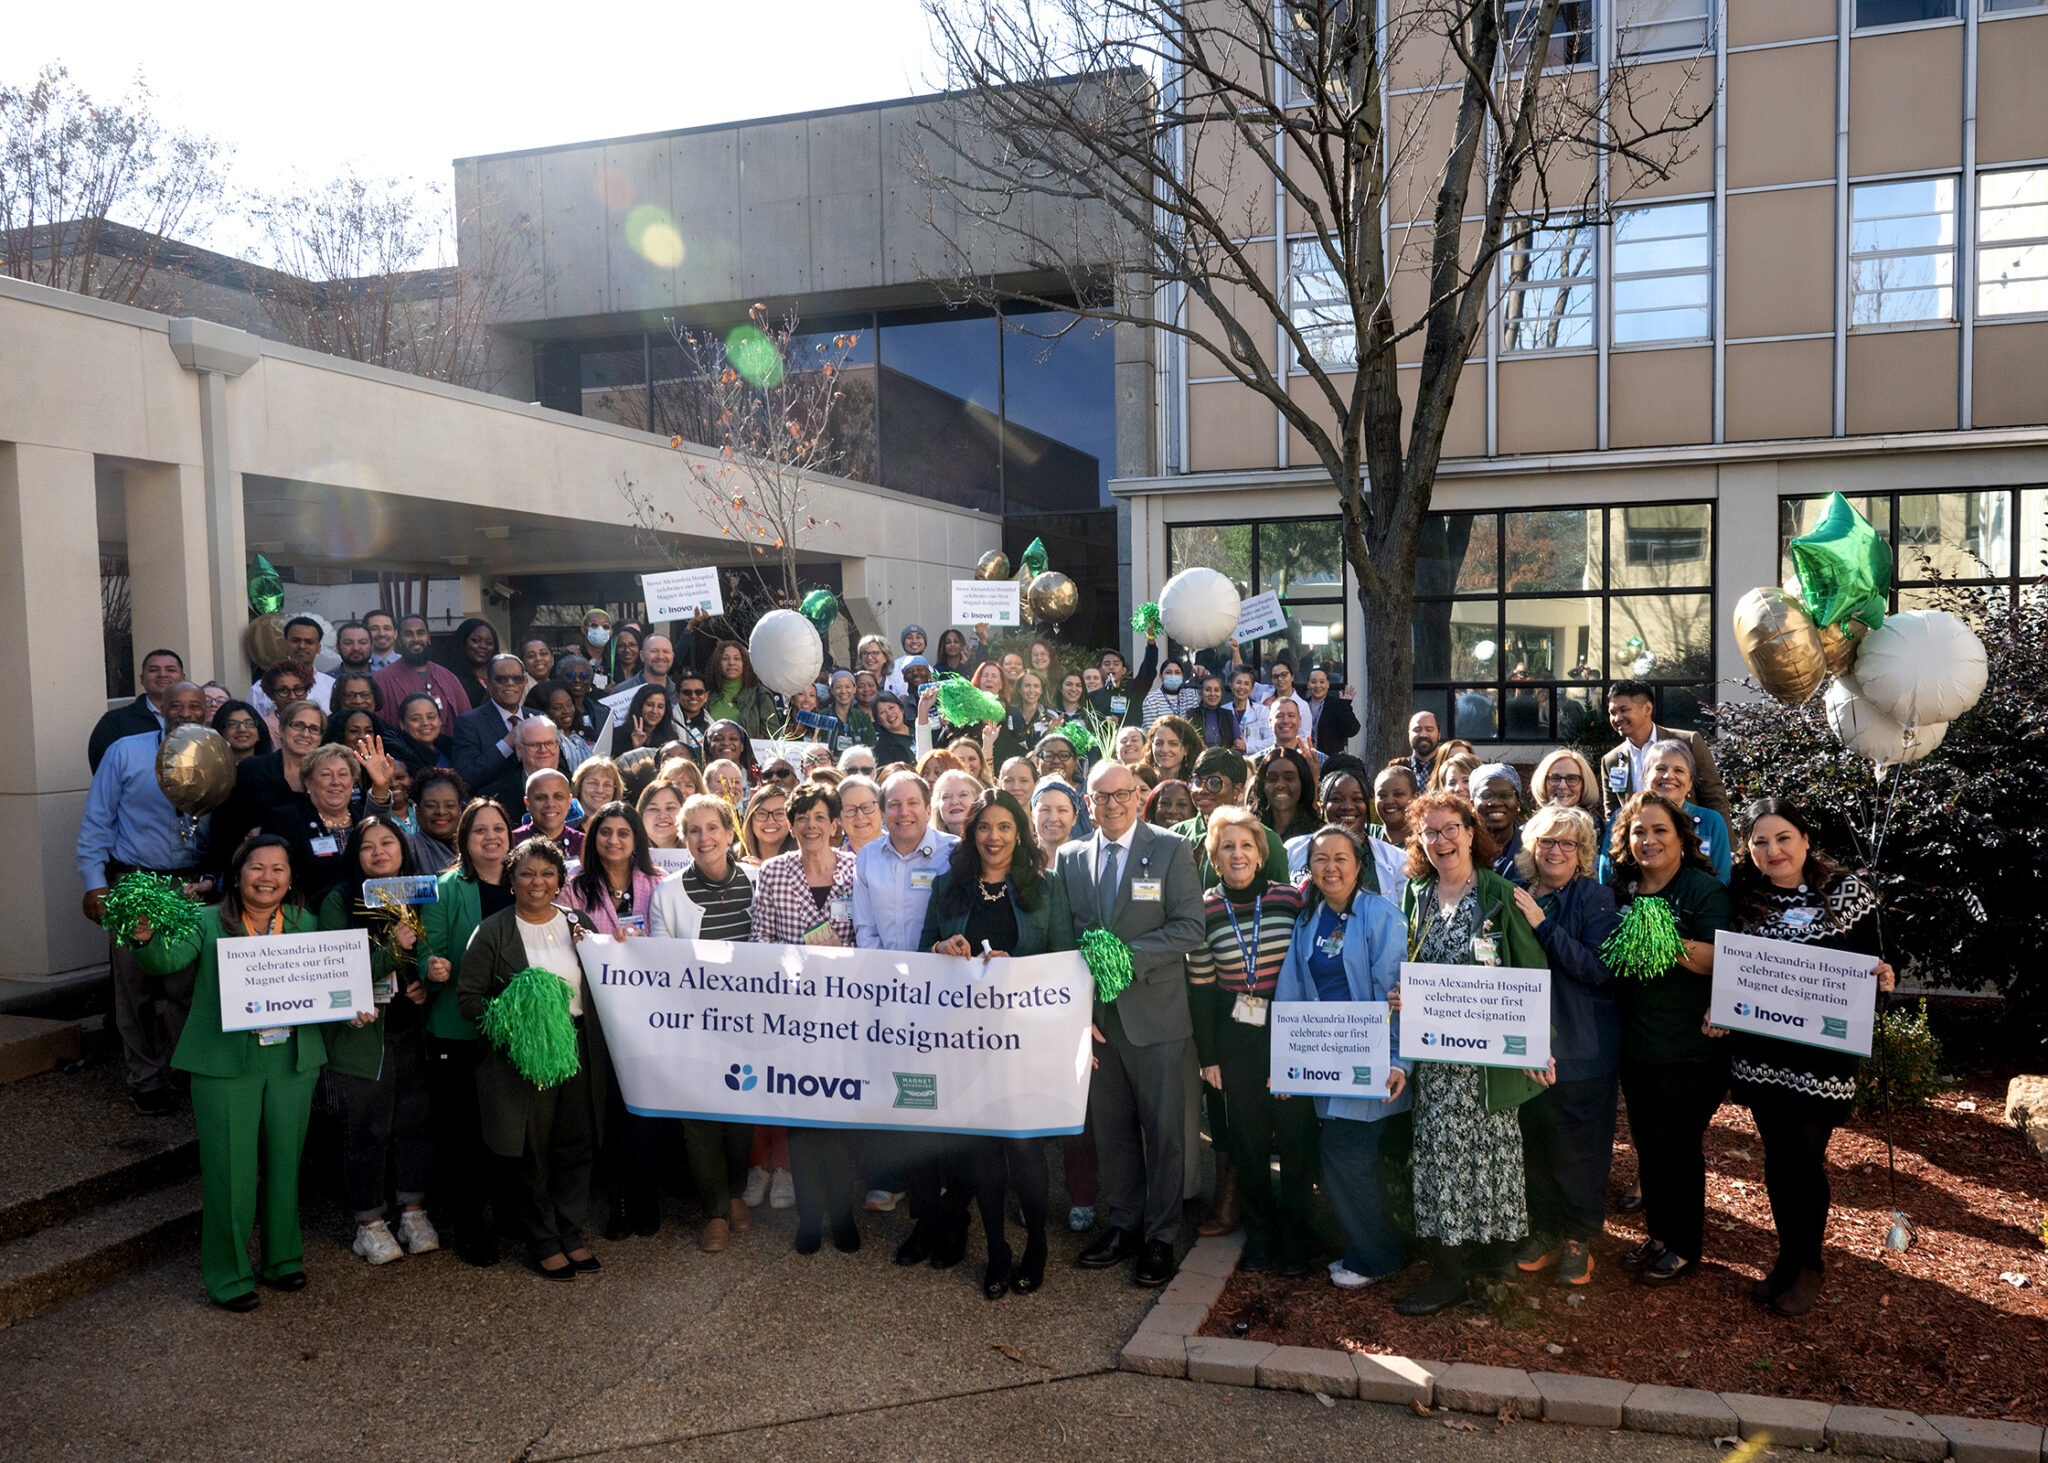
{"x":129,"y":824}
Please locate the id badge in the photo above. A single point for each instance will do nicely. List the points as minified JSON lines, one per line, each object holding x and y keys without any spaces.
{"x":273,"y":1035}
{"x":1251,"y":1010}
{"x":1486,"y":949}
{"x":637,"y":923}
{"x":1617,"y":777}
{"x":1332,"y":946}
{"x":1118,"y":705}
{"x":922,"y":878}
{"x":839,"y":910}
{"x":1146,"y":891}
{"x":326,"y":846}
{"x":1804,"y":917}
{"x":383,"y":990}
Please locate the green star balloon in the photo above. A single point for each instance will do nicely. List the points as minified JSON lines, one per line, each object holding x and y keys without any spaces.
{"x":266,"y":588}
{"x":1035,"y":557}
{"x":1845,"y":567}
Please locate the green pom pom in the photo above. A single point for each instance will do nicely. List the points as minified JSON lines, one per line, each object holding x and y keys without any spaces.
{"x":821,"y":608}
{"x":1035,"y":557}
{"x":1078,"y":736}
{"x":963,"y":703}
{"x":1109,"y":961}
{"x":1146,"y":620}
{"x":529,"y":1021}
{"x":161,"y":901}
{"x":1647,"y":944}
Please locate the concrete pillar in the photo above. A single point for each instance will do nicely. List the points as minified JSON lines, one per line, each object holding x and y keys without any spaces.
{"x":55,"y":655}
{"x":1745,"y":555}
{"x":169,"y":571}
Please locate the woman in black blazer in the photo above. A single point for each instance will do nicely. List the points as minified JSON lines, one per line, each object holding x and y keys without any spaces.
{"x":1336,"y":723}
{"x":995,"y":897}
{"x":551,"y":1132}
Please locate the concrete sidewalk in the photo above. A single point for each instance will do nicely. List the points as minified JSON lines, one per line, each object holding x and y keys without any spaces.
{"x":665,"y":1353}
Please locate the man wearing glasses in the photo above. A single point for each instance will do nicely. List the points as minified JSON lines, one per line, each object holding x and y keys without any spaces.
{"x":1138,"y":882}
{"x":486,"y":750}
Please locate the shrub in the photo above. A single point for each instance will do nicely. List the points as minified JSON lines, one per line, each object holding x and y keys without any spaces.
{"x":1910,"y":1053}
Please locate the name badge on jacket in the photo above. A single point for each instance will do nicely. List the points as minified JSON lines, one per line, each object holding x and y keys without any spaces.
{"x":1147,"y":891}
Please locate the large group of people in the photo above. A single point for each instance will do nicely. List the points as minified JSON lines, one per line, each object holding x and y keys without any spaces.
{"x":630,"y":783}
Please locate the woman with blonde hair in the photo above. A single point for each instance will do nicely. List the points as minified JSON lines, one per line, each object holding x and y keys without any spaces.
{"x":1565,"y":779}
{"x":683,"y":775}
{"x":595,"y":783}
{"x":953,"y":798}
{"x":1453,"y":774}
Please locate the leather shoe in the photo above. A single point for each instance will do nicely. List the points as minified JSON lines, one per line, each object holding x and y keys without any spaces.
{"x":1646,"y":1253}
{"x":1630,"y":1202}
{"x":917,"y":1245}
{"x":1115,"y":1246}
{"x":241,"y":1304}
{"x":294,"y":1281}
{"x":588,"y":1262}
{"x":1155,"y":1264}
{"x":950,"y":1247}
{"x":1667,"y":1269}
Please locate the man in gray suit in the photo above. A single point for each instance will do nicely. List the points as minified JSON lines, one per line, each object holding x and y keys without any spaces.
{"x":1138,"y":882}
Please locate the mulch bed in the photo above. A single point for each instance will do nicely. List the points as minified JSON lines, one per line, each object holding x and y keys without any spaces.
{"x":1932,"y":1329}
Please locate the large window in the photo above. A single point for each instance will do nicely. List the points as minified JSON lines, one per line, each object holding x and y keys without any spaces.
{"x":1523,"y":618}
{"x":1301,"y":560}
{"x":1902,"y":251}
{"x":2012,"y":243}
{"x":1988,"y":536}
{"x":1650,"y":27}
{"x":1547,"y":290}
{"x":1319,"y":307}
{"x":1663,"y":274}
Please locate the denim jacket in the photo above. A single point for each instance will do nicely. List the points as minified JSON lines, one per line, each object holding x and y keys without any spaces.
{"x":1375,"y":942}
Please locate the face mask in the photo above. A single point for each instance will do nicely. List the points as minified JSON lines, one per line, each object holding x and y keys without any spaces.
{"x":598,"y":636}
{"x":1172,"y":683}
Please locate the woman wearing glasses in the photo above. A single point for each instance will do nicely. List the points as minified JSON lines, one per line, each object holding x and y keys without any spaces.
{"x":1565,"y":779}
{"x":764,"y":830}
{"x":243,"y":728}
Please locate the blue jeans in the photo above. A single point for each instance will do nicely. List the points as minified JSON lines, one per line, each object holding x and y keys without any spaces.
{"x":1351,"y":1176}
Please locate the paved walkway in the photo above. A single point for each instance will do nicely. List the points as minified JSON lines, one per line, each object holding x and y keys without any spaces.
{"x":668,"y":1353}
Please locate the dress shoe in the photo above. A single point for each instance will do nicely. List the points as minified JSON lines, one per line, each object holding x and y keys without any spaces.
{"x":294,"y":1281}
{"x":1030,"y":1273}
{"x":1777,"y":1280}
{"x":717,"y":1233}
{"x":740,"y":1216}
{"x":1798,"y":1297}
{"x":1446,"y":1287}
{"x":845,"y":1236}
{"x":241,"y":1304}
{"x":1630,"y":1202}
{"x":1115,"y":1246}
{"x":588,"y":1262}
{"x":949,"y":1247}
{"x":995,"y":1278}
{"x":479,"y":1246}
{"x":1667,"y":1269}
{"x":645,"y":1218}
{"x":565,"y":1271}
{"x":1647,"y":1253}
{"x":810,"y":1238}
{"x":917,"y":1245}
{"x":1155,"y":1264}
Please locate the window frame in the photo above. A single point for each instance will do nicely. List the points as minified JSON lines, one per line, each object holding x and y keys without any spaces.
{"x":1980,"y":247}
{"x":1514,"y":57}
{"x":1565,"y":285}
{"x":1622,"y":30}
{"x":1858,"y":27}
{"x":1298,"y":247}
{"x":1953,"y":249}
{"x":1335,"y":597}
{"x":2012,"y":579}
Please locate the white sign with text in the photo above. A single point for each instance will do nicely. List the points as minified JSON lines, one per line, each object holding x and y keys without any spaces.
{"x":1331,"y":1048}
{"x":985,"y":602}
{"x":1260,"y":615}
{"x":1804,"y":993}
{"x":294,"y":980}
{"x":1483,"y":1015}
{"x":682,"y":594}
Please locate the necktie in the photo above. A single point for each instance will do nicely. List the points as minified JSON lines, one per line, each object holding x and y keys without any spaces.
{"x":1106,"y":892}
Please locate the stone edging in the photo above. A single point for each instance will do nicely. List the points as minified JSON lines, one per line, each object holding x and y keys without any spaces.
{"x":1165,"y":1345}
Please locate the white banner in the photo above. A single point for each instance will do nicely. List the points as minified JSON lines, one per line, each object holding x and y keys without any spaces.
{"x":822,"y":1037}
{"x":1260,"y":615}
{"x":682,"y":594}
{"x":1484,"y":1015}
{"x":669,"y":860}
{"x":769,"y":749}
{"x":985,"y":602}
{"x":1331,"y":1048}
{"x":1804,"y":993}
{"x":294,"y":980}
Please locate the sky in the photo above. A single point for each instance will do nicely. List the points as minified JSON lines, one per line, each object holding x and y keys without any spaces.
{"x":403,"y":89}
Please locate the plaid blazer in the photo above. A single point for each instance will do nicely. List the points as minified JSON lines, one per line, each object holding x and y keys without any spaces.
{"x":784,"y":908}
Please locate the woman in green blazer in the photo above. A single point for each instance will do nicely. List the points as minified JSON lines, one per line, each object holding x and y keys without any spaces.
{"x":252,"y":1091}
{"x":550,"y":1133}
{"x":994,"y":897}
{"x":1468,"y":1140}
{"x":474,"y":888}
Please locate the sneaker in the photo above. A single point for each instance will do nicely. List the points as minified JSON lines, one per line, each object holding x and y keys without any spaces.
{"x":883,"y":1201}
{"x":1538,"y":1252}
{"x":1574,"y":1263}
{"x":756,"y":1189}
{"x":375,"y":1244}
{"x":1081,"y":1218}
{"x":782,"y":1190}
{"x":1347,"y":1279}
{"x":417,"y":1233}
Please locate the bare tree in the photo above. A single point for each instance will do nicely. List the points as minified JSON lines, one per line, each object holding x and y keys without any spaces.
{"x":75,"y":171}
{"x":1135,"y":151}
{"x":361,"y":272}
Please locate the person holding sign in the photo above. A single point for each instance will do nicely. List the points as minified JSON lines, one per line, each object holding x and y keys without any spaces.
{"x":1248,"y":920}
{"x":1786,"y":889}
{"x":252,"y":1091}
{"x":1469,"y":1183}
{"x":1347,"y":946}
{"x":995,"y":900}
{"x":1673,"y":1072}
{"x":1568,"y":1132}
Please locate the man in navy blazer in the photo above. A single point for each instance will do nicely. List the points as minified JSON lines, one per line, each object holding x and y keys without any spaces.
{"x":1138,"y":882}
{"x":487,"y":750}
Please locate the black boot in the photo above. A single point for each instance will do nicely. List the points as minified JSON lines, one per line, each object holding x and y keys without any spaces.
{"x":1446,"y":1286}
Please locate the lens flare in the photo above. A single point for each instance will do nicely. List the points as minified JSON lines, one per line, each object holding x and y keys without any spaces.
{"x":754,"y":356}
{"x":652,"y":235}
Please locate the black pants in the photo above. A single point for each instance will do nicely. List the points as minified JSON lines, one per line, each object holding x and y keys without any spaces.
{"x":717,"y":1154}
{"x":1567,"y":1149}
{"x":937,"y":1176}
{"x":551,"y":1200}
{"x":1259,"y":1126}
{"x":385,"y":1118}
{"x":1001,"y":1163}
{"x":635,"y":1151}
{"x":1795,"y":1130}
{"x":1670,"y":1105}
{"x":464,"y":1176}
{"x":1216,"y":1107}
{"x":824,"y":1165}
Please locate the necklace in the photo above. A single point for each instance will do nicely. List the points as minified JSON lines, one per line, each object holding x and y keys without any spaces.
{"x":1002,"y":887}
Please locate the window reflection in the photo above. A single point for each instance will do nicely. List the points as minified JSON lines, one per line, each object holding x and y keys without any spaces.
{"x":1660,"y":637}
{"x":940,"y":410}
{"x":614,"y":382}
{"x":1059,"y":413}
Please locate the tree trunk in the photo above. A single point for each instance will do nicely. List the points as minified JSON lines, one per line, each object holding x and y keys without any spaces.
{"x":1388,"y":647}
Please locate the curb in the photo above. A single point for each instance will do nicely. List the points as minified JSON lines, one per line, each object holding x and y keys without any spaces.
{"x":1165,"y":1345}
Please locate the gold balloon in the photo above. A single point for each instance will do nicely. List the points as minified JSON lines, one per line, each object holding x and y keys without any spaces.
{"x":264,"y":640}
{"x":994,"y":564}
{"x":195,"y":769}
{"x":1053,"y":597}
{"x":1779,"y":644}
{"x":637,"y":769}
{"x":1839,"y":643}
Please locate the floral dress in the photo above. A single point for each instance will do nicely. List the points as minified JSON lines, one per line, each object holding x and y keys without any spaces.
{"x":1468,"y":1161}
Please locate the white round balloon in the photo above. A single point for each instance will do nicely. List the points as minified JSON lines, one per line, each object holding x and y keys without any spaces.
{"x":1922,"y":666}
{"x":1869,"y":732}
{"x":1199,"y":608}
{"x":786,"y":652}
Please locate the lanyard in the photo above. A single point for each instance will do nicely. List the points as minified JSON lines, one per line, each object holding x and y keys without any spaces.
{"x":276,"y":925}
{"x":1251,"y":973}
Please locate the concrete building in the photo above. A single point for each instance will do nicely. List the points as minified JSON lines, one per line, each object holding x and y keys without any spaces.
{"x":1844,"y":287}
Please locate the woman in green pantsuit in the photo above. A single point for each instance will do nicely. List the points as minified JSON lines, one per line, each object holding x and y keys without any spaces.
{"x":252,"y":1091}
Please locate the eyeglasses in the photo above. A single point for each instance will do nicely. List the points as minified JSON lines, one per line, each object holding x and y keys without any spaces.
{"x":1055,"y":756}
{"x":240,"y":723}
{"x":1214,"y":782}
{"x":782,"y":774}
{"x":517,"y":678}
{"x":1557,"y":845}
{"x":1121,"y":797}
{"x":1564,"y":779}
{"x":1451,"y":833}
{"x":858,"y":810}
{"x":290,"y":692}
